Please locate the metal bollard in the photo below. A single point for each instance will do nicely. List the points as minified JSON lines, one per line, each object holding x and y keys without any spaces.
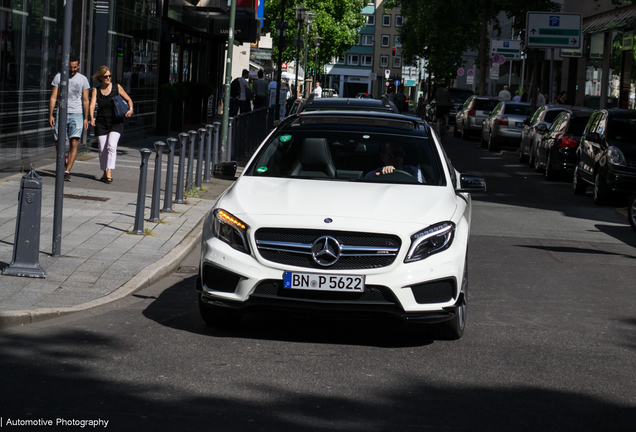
{"x":141,"y":192}
{"x":189,"y":178}
{"x":26,"y":240}
{"x":208,"y":152}
{"x":202,"y":133}
{"x":230,"y":137}
{"x":215,"y":150}
{"x":183,"y":151}
{"x":156,"y":184}
{"x":167,"y":197}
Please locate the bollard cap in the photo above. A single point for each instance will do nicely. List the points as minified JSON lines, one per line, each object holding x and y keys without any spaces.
{"x":31,"y":180}
{"x":159,"y":145}
{"x":183,"y":135}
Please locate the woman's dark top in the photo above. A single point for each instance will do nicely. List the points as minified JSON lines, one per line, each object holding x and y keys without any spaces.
{"x":106,"y":121}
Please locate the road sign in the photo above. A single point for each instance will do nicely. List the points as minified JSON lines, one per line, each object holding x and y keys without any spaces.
{"x":410,"y":82}
{"x":502,"y":59}
{"x":469,"y":79}
{"x":572,"y":53}
{"x":283,"y":66}
{"x":509,"y":49}
{"x":373,"y":76}
{"x":494,"y":71}
{"x":387,"y":83}
{"x":397,"y":82}
{"x":553,"y":30}
{"x":470,"y":72}
{"x":387,"y":72}
{"x":460,"y":72}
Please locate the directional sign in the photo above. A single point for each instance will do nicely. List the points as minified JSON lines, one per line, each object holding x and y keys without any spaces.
{"x":460,"y":72}
{"x":397,"y":82}
{"x":510,"y":49}
{"x":553,"y":30}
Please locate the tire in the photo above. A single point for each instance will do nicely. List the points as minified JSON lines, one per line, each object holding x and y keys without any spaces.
{"x":482,"y":141}
{"x":491,"y":145}
{"x":531,"y":158}
{"x":631,"y":211}
{"x":522,"y":158}
{"x":464,"y":133}
{"x":456,"y":130}
{"x":536,"y":162}
{"x":579,"y":187}
{"x":217,"y":316}
{"x":548,"y":171}
{"x":454,"y":328}
{"x":601,"y":191}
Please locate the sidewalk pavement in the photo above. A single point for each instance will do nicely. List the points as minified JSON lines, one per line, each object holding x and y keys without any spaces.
{"x":100,"y":261}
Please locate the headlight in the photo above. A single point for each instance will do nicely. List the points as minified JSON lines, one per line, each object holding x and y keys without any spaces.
{"x":431,"y":240}
{"x":231,"y":230}
{"x":615,"y":156}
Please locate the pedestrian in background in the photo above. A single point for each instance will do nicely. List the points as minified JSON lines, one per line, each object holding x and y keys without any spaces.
{"x":260,"y":91}
{"x":540,"y":98}
{"x":516,"y":97}
{"x":108,"y":128}
{"x":243,"y":99}
{"x":77,"y":111}
{"x":504,"y":94}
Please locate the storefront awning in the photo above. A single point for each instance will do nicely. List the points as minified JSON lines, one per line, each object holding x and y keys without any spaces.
{"x":615,"y":19}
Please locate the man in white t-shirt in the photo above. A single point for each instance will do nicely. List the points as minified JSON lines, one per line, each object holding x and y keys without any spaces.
{"x":318,"y":90}
{"x":77,"y":110}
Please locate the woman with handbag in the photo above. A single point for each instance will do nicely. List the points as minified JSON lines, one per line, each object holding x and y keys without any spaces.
{"x":109,"y":125}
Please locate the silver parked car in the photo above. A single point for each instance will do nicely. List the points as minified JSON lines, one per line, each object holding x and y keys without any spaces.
{"x":472,"y":114}
{"x":505,"y":124}
{"x":535,"y":128}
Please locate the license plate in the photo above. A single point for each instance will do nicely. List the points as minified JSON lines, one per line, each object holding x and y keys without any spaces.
{"x":520,"y":124}
{"x":323,"y":282}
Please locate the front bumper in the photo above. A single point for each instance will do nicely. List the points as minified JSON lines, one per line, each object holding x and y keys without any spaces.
{"x":423,"y":291}
{"x":622,"y":181}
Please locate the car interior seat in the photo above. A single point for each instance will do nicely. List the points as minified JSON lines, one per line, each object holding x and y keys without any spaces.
{"x":314,"y":159}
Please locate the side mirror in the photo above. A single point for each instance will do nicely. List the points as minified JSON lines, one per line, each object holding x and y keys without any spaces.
{"x":542,"y":128}
{"x":593,"y":136}
{"x":471,"y":183}
{"x":225,"y":170}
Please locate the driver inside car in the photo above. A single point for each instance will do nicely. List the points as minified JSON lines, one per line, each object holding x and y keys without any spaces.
{"x":392,"y":157}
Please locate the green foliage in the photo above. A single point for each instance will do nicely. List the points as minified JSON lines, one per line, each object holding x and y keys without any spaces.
{"x":338,"y":21}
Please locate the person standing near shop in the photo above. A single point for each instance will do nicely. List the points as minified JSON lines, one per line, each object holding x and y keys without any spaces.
{"x":260,"y":91}
{"x":244,"y":101}
{"x":77,"y":111}
{"x":108,"y":128}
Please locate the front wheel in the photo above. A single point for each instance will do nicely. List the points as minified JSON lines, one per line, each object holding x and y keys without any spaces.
{"x":217,"y":316}
{"x":601,"y":191}
{"x":453,"y":329}
{"x":548,"y":172}
{"x":631,"y":211}
{"x":579,"y":187}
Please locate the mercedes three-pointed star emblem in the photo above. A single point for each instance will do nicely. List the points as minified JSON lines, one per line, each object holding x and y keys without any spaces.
{"x":326,"y":251}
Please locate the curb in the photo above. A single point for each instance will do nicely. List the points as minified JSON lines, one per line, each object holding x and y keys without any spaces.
{"x":146,"y":277}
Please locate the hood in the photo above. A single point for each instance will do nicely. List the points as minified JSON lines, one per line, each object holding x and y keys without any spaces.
{"x":310,"y":201}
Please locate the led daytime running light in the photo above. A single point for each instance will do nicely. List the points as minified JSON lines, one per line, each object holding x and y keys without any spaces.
{"x":230,"y":220}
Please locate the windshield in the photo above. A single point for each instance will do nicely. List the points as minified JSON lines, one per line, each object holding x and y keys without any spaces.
{"x":522,"y":110}
{"x":460,"y":96}
{"x":551,"y":115}
{"x":348,"y":156}
{"x":622,"y":129}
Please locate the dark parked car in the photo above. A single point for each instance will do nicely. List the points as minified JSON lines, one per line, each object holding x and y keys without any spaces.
{"x":557,"y":150}
{"x":606,"y":157}
{"x":343,"y":104}
{"x":504,"y":125}
{"x":364,"y":96}
{"x":536,"y":127}
{"x":472,"y":114}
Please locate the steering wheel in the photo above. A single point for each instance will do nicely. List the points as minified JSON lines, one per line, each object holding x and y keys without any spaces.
{"x":398,"y":176}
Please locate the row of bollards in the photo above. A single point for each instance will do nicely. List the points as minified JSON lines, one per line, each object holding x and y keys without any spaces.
{"x":189,"y":175}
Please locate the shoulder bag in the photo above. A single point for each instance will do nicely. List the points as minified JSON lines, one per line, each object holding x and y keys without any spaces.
{"x":120,"y":105}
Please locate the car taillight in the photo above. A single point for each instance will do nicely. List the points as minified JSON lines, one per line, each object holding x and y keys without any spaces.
{"x":568,"y":142}
{"x":503,"y":121}
{"x":472,"y":112}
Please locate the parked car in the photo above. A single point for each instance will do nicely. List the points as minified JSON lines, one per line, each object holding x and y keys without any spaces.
{"x":631,"y":211}
{"x":556,"y":152}
{"x":343,"y":104}
{"x":606,"y":157}
{"x":472,"y":114}
{"x":364,"y":96}
{"x":504,"y":124}
{"x":535,"y":128}
{"x":289,"y":236}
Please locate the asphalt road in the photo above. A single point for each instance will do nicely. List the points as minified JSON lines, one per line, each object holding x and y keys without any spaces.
{"x":550,"y":343}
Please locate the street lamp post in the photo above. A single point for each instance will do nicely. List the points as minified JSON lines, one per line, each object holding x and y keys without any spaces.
{"x":317,"y":40}
{"x":300,"y":17}
{"x":309,"y":17}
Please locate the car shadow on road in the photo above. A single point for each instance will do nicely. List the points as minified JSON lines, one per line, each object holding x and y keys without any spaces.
{"x":180,"y":302}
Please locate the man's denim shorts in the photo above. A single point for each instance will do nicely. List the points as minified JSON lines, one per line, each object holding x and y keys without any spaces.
{"x":74,"y":125}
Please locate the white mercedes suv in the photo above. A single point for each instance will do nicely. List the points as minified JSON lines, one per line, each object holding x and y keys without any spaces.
{"x":342,"y":213}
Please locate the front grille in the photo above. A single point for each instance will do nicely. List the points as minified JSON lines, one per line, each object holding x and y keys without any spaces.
{"x":631,"y":164}
{"x":295,"y":247}
{"x":376,"y":294}
{"x":440,"y":291}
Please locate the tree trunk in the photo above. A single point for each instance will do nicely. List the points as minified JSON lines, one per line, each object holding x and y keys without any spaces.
{"x":483,"y":49}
